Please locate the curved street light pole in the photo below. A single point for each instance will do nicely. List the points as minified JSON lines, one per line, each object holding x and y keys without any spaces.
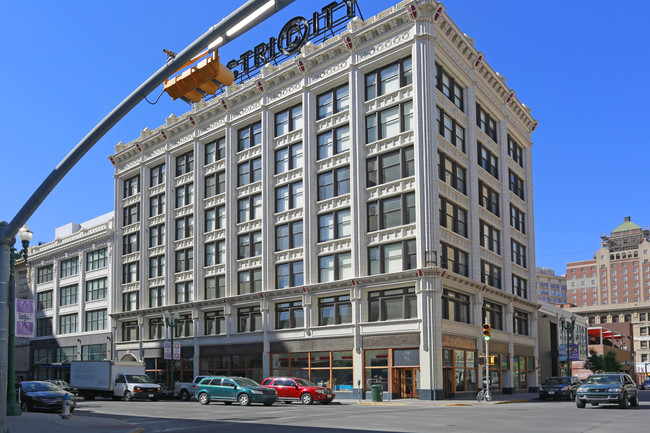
{"x":244,"y":18}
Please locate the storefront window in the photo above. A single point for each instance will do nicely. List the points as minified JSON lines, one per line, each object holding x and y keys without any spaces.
{"x":332,"y":369}
{"x":460,"y":370}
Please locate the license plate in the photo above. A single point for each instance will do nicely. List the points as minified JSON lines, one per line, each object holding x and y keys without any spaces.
{"x":151,"y":395}
{"x":551,"y":392}
{"x":329,"y":395}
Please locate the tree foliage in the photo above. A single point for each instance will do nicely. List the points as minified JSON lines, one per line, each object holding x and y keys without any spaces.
{"x":603,"y":363}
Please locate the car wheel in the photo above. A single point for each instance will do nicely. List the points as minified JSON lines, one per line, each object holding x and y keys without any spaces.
{"x":24,"y":406}
{"x":580,"y":404}
{"x":624,"y":403}
{"x":185,"y":395}
{"x":204,"y":398}
{"x":127,"y":396}
{"x":635,"y":401}
{"x":244,"y":400}
{"x":306,"y":398}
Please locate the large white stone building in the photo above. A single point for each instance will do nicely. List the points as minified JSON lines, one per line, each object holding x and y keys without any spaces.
{"x":350,"y":215}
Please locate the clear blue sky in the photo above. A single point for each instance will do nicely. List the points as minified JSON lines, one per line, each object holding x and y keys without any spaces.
{"x":582,"y":66}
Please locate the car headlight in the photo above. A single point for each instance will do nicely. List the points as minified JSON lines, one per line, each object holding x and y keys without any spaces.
{"x":582,"y":390}
{"x":321,"y":391}
{"x":564,"y":388}
{"x":256,"y":392}
{"x":614,"y":390}
{"x":137,"y":388}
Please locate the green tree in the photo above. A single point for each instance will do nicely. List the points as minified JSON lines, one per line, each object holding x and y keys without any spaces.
{"x":611,"y":363}
{"x":594,"y":362}
{"x":601,"y":363}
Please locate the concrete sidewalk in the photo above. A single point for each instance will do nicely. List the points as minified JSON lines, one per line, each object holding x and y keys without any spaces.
{"x":496,"y":399}
{"x":38,"y":422}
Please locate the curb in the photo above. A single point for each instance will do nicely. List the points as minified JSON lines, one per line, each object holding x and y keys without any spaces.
{"x":523,"y":400}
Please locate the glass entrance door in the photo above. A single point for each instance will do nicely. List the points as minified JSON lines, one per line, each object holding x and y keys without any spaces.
{"x":406,"y":382}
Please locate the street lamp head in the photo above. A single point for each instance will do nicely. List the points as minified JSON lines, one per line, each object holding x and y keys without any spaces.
{"x":25,"y":234}
{"x":176,"y":316}
{"x":167,"y":315}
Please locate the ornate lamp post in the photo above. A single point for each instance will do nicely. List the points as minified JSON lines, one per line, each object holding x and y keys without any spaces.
{"x":568,"y":326}
{"x":25,"y":235}
{"x":172,"y":324}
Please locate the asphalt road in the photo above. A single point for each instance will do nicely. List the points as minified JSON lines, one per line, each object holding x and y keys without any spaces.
{"x":348,"y":416}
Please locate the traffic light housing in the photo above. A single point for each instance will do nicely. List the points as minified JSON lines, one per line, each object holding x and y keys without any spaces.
{"x":487,"y":332}
{"x":206,"y":77}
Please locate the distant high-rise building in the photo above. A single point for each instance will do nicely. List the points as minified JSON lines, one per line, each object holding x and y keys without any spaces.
{"x":551,"y":288}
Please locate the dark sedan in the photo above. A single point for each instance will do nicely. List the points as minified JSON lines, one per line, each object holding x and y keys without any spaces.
{"x":559,"y":387}
{"x":36,"y":395}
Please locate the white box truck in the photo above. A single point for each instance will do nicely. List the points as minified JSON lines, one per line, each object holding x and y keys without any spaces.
{"x":113,"y":379}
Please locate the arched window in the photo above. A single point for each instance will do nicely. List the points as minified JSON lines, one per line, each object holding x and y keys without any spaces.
{"x":603,"y":319}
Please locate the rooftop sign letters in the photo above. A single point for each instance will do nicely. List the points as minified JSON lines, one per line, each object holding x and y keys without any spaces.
{"x":293,"y":36}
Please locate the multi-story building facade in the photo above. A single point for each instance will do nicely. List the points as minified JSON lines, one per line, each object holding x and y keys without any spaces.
{"x":615,"y":285}
{"x":351,"y":216}
{"x":551,"y":288}
{"x":70,"y":279}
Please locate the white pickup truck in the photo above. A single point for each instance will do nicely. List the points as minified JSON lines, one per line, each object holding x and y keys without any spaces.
{"x":185,"y":390}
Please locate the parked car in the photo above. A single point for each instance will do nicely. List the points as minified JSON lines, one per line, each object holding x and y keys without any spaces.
{"x":63,"y":384}
{"x":292,"y":389}
{"x":43,"y":395}
{"x":608,"y":388}
{"x":645,"y":384}
{"x":559,"y":387}
{"x":166,"y":391}
{"x":185,"y":390}
{"x":230,"y":389}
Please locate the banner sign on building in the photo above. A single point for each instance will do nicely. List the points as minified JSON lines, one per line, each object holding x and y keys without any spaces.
{"x":167,"y":349}
{"x":24,"y":318}
{"x":177,"y":350}
{"x":293,"y":36}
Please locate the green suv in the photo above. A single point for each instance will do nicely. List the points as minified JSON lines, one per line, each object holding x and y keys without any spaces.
{"x":230,"y":389}
{"x":608,"y":388}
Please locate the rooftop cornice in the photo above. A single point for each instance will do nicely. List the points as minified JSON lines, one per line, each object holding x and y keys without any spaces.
{"x":75,"y":242}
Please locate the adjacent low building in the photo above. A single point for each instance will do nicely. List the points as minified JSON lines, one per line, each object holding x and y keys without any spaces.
{"x":551,"y":288}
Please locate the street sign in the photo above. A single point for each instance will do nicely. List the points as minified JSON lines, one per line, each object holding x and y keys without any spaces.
{"x":168,"y":350}
{"x":177,"y":350}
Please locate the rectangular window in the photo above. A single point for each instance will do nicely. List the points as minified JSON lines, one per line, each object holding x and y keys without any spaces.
{"x":156,"y":266}
{"x":69,"y":267}
{"x":215,"y":253}
{"x":131,"y":243}
{"x":215,"y":218}
{"x":44,"y":327}
{"x":289,"y":315}
{"x":249,"y":208}
{"x":184,"y":227}
{"x":288,"y":120}
{"x":156,"y":328}
{"x":517,"y":219}
{"x":156,"y":235}
{"x":392,"y":304}
{"x":157,"y":175}
{"x":390,"y":166}
{"x":516,"y":184}
{"x":130,"y":331}
{"x":215,"y":150}
{"x":68,"y":324}
{"x":131,"y":214}
{"x":490,"y":238}
{"x":45,"y":274}
{"x":454,"y":259}
{"x":249,"y":136}
{"x":249,"y":245}
{"x":184,"y":292}
{"x":334,"y":267}
{"x":249,"y":171}
{"x":249,"y":319}
{"x":493,"y":313}
{"x":288,"y":197}
{"x":334,"y":225}
{"x":289,"y":275}
{"x":389,"y":122}
{"x":488,"y":161}
{"x":96,"y":289}
{"x":488,"y":198}
{"x":334,"y":310}
{"x":519,"y":286}
{"x":288,"y":158}
{"x":185,"y":327}
{"x":450,"y":129}
{"x":96,"y":320}
{"x":452,"y":173}
{"x":215,"y":287}
{"x":333,"y":142}
{"x":44,"y":300}
{"x":333,"y":101}
{"x":157,"y":297}
{"x":130,"y":272}
{"x":455,"y":306}
{"x":515,"y":151}
{"x":393,"y":257}
{"x":490,"y":274}
{"x":215,"y":322}
{"x":157,"y":205}
{"x":68,"y":295}
{"x":452,"y":216}
{"x":389,"y":78}
{"x":215,"y":184}
{"x":520,"y":320}
{"x":391,"y":212}
{"x":288,"y":236}
{"x":184,"y":195}
{"x":130,"y":301}
{"x":486,"y":123}
{"x":249,"y":281}
{"x":95,"y":260}
{"x":449,"y":87}
{"x":185,"y":163}
{"x":131,"y":186}
{"x":184,"y":260}
{"x":518,"y":253}
{"x":334,"y":183}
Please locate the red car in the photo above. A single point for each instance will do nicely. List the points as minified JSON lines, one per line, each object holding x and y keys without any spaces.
{"x":292,"y":389}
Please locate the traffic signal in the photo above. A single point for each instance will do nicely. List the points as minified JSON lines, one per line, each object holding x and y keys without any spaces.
{"x":492,"y":359}
{"x":486,"y":332}
{"x":206,"y":77}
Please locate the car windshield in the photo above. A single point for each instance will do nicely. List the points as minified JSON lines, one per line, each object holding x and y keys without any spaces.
{"x":604,"y":378}
{"x":558,"y":381}
{"x":305,"y":382}
{"x":138,"y":378}
{"x":242,"y":381}
{"x":39,"y":387}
